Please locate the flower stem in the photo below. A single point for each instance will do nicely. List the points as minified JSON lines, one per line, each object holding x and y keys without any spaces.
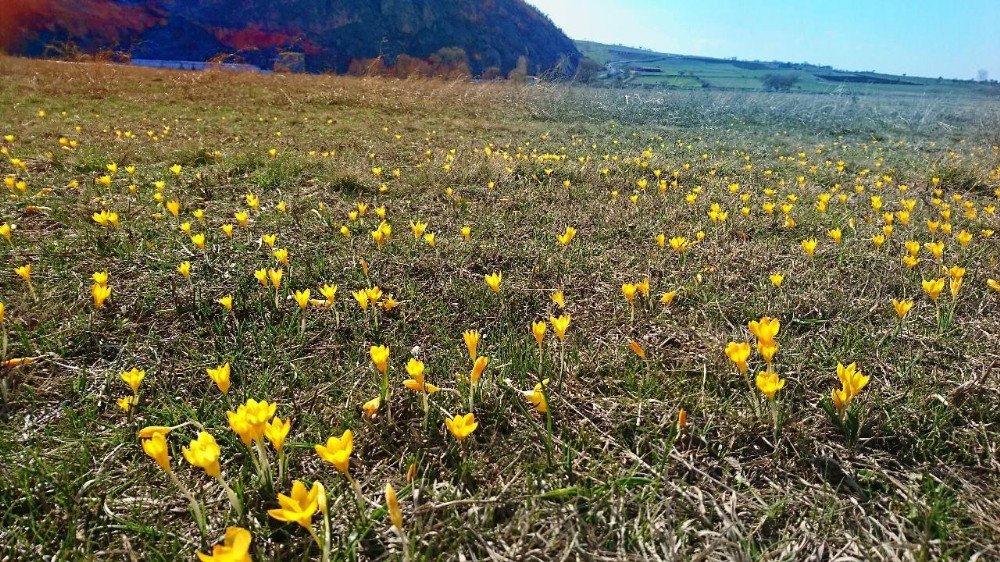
{"x":404,"y":542}
{"x":326,"y":536}
{"x":199,"y":516}
{"x":233,"y":498}
{"x":358,"y":495}
{"x":265,"y":464}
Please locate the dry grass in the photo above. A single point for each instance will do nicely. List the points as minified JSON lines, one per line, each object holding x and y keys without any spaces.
{"x":619,"y":482}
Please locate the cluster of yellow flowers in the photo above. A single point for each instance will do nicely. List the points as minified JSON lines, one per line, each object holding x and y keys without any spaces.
{"x":852,"y":382}
{"x":944,"y":229}
{"x":101,"y":290}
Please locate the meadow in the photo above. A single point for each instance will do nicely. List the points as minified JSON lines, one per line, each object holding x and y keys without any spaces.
{"x":328,"y":318}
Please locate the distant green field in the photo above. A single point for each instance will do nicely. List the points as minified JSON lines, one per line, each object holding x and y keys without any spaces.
{"x":629,"y":66}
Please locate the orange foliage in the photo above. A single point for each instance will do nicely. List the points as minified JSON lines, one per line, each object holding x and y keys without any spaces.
{"x":251,"y":38}
{"x":98,"y":20}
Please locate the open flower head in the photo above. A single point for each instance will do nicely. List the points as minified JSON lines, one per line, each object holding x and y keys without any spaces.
{"x":493,"y":281}
{"x":24,"y":272}
{"x":337,"y":451}
{"x":133,"y":378}
{"x":276,"y":431}
{"x":220,"y":376}
{"x":738,"y":353}
{"x":567,"y":236}
{"x":852,"y":379}
{"x":537,"y":397}
{"x":156,"y":448}
{"x":234,"y":548}
{"x":766,"y":329}
{"x":302,"y":298}
{"x":769,"y":383}
{"x":461,"y":426}
{"x":471,"y":338}
{"x":370,"y":408}
{"x":299,"y":507}
{"x":416,"y":383}
{"x":902,"y":307}
{"x":204,"y":452}
{"x":380,"y":357}
{"x":933,"y":288}
{"x":250,"y":419}
{"x":559,"y":325}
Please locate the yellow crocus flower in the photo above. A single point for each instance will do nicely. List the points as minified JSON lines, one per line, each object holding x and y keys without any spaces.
{"x":478,"y":367}
{"x":302,"y":298}
{"x":766,"y":329}
{"x":274,"y":275}
{"x":204,"y":452}
{"x":100,"y":293}
{"x":537,"y":397}
{"x":559,"y":298}
{"x":933,"y":287}
{"x":392,"y":505}
{"x":235,"y":547}
{"x":629,"y":290}
{"x":461,"y":426}
{"x":133,"y":378}
{"x":738,"y":353}
{"x":380,"y":357}
{"x":560,"y":325}
{"x":902,"y":307}
{"x":471,"y":338}
{"x":538,"y":330}
{"x":418,"y":228}
{"x":299,"y":507}
{"x":493,"y":281}
{"x":155,"y":446}
{"x":567,"y":236}
{"x":220,"y":376}
{"x":809,"y":246}
{"x":24,"y":272}
{"x":769,"y":383}
{"x":337,"y":451}
{"x":276,"y":431}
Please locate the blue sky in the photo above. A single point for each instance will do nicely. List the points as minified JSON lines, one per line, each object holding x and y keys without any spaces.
{"x":950,"y":38}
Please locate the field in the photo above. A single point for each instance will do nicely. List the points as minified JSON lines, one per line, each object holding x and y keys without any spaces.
{"x":674,"y":71}
{"x":642,"y":431}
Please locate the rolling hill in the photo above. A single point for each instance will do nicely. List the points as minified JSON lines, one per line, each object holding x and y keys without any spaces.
{"x":629,"y":66}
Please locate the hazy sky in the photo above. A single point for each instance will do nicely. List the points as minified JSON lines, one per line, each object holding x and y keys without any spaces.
{"x":950,"y":38}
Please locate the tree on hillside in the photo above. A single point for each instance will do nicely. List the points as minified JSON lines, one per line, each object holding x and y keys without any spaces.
{"x":587,"y":70}
{"x":519,"y":73}
{"x":491,"y":73}
{"x":367,"y":67}
{"x":411,"y":67}
{"x":451,"y":62}
{"x":774,"y":82}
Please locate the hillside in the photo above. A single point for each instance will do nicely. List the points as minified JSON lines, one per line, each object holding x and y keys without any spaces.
{"x":320,"y":35}
{"x":629,"y":66}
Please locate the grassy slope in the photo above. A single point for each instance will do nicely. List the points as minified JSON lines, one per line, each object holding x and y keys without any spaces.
{"x":74,"y":481}
{"x":683,"y":71}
